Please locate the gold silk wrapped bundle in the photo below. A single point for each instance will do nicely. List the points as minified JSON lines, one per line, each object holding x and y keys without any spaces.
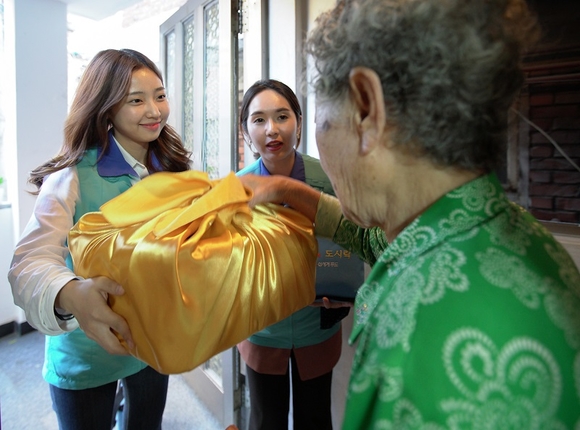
{"x":201,"y":271}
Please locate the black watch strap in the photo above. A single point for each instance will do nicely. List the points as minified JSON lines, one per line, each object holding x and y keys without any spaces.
{"x":65,"y":317}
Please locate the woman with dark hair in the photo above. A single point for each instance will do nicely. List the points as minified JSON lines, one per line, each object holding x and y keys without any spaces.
{"x":470,"y":317}
{"x":115,"y":134}
{"x":271,"y":120}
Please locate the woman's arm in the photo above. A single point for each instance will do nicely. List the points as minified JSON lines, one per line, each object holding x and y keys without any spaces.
{"x":42,"y":284}
{"x":38,"y":270}
{"x":322,"y":209}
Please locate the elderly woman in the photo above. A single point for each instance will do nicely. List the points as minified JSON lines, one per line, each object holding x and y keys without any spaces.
{"x":470,"y":318}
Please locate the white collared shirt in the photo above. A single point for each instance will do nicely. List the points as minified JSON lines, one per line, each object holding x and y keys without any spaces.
{"x":38,"y":271}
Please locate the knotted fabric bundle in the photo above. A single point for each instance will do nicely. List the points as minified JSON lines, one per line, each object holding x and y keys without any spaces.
{"x":201,"y":270}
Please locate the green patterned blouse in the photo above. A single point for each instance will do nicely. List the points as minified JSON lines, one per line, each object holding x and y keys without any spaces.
{"x":469,"y":320}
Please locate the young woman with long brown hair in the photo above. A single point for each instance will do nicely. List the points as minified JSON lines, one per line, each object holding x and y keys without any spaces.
{"x":115,"y":134}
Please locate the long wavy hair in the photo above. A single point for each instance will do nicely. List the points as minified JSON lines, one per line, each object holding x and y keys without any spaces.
{"x":103,"y":86}
{"x":449,"y":69}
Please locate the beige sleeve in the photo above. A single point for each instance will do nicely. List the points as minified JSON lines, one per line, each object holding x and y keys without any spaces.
{"x":328,"y":216}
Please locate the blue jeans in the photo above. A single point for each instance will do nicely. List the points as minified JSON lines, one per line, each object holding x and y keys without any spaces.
{"x":145,"y":393}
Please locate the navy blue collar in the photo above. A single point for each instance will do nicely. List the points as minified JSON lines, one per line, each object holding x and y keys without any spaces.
{"x":297,"y":169}
{"x":113,"y":163}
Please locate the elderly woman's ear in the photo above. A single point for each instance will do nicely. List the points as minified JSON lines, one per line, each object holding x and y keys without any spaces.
{"x":369,"y":105}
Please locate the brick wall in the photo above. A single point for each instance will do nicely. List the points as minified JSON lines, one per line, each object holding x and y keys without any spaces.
{"x":553,"y":103}
{"x":554,"y":186}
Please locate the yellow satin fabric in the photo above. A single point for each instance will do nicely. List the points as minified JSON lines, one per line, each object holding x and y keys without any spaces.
{"x":201,"y":271}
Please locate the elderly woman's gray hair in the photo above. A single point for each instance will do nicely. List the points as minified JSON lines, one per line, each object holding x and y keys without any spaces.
{"x":450,"y":69}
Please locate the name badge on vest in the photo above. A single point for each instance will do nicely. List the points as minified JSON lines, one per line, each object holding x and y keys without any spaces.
{"x":339,"y":272}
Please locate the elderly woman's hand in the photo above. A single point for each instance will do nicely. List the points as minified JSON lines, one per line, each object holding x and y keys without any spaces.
{"x":282,"y":190}
{"x":265,"y":189}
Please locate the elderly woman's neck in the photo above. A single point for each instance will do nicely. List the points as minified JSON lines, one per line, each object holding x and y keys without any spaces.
{"x":422,"y":185}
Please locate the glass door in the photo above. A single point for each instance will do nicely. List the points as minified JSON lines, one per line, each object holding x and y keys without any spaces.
{"x":198,"y":49}
{"x":199,"y":56}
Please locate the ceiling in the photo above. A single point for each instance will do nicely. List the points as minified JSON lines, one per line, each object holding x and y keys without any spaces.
{"x":97,"y":10}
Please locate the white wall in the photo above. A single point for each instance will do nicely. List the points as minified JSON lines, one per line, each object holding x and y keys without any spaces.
{"x":285,"y":52}
{"x":282,"y":41}
{"x":315,"y":8}
{"x":8,"y":312}
{"x":34,"y":106}
{"x":41,"y":91}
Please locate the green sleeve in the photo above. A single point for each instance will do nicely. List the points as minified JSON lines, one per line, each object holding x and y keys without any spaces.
{"x":368,"y":244}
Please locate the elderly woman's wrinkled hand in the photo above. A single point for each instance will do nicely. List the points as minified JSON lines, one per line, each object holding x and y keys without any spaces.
{"x":282,"y":190}
{"x":263,"y":188}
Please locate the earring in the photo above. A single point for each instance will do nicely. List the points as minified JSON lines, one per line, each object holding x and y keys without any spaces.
{"x":249,"y":143}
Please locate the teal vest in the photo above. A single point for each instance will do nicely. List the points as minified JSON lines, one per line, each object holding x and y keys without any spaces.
{"x":302,"y":328}
{"x":72,"y":360}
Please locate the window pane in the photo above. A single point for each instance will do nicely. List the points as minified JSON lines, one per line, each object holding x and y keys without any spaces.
{"x":188,"y":52}
{"x":213,"y":369}
{"x":170,"y":65}
{"x":211,"y":91}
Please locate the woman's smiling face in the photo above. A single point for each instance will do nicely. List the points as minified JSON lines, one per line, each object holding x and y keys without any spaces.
{"x":273,"y":130}
{"x":140,"y":118}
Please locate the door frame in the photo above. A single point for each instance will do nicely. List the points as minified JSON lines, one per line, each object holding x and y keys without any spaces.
{"x":224,"y":399}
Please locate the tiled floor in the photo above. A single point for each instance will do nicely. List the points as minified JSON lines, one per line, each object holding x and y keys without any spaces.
{"x":25,"y":399}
